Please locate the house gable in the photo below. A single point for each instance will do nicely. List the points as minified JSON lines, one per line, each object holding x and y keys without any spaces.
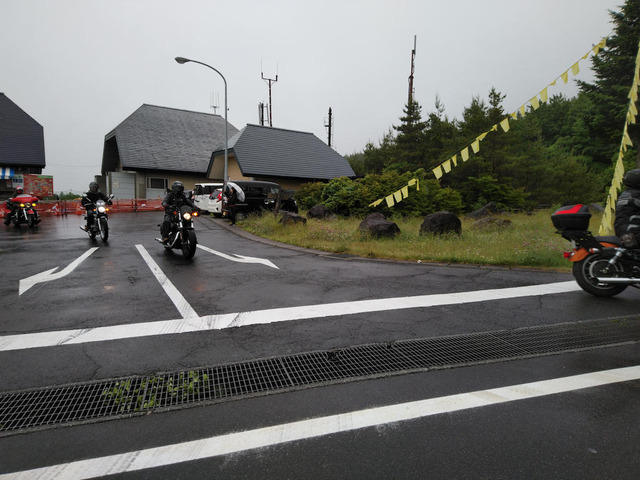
{"x":21,"y":138}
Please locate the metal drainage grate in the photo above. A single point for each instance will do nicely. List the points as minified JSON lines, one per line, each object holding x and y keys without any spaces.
{"x":138,"y":395}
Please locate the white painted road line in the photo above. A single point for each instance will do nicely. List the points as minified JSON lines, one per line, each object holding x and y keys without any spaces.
{"x":192,"y":323}
{"x":176,"y":297}
{"x":26,"y":283}
{"x":319,"y":427}
{"x":239,"y":258}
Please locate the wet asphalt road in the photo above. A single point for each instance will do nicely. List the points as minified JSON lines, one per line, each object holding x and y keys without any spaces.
{"x":589,"y":433}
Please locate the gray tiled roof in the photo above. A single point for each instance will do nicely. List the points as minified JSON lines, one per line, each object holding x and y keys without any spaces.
{"x":268,"y":151}
{"x":21,"y":137}
{"x":161,"y":138}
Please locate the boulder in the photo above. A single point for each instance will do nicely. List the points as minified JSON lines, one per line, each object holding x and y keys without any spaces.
{"x":290,"y":218}
{"x":319,"y":211}
{"x":491,"y":222}
{"x":486,"y":211}
{"x":378,"y":226}
{"x":439,"y":223}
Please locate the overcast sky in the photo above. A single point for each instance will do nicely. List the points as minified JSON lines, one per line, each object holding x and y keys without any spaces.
{"x":80,"y":67}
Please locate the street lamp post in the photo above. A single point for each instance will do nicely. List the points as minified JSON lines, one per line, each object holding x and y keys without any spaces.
{"x":182,"y":60}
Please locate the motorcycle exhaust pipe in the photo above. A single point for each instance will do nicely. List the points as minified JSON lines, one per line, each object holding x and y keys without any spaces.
{"x":628,"y":281}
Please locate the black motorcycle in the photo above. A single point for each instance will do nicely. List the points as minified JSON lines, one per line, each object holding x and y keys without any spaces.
{"x":99,"y":210}
{"x":182,"y":234}
{"x":23,"y":210}
{"x":602,"y":266}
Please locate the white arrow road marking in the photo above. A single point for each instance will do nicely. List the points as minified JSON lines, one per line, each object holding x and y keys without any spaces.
{"x":257,"y":317}
{"x":27,"y":283}
{"x":239,"y":258}
{"x":176,"y":297}
{"x":301,"y":430}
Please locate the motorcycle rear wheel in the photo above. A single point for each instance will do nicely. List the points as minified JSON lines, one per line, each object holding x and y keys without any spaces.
{"x":596,"y":265}
{"x":188,"y":243}
{"x":104,"y":229}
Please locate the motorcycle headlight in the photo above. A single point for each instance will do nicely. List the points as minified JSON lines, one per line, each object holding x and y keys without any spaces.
{"x":22,"y":205}
{"x":101,"y":209}
{"x":186,"y":216}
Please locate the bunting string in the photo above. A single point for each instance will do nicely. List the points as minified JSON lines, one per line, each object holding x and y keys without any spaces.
{"x":609,"y":215}
{"x":397,"y":196}
{"x":542,"y":96}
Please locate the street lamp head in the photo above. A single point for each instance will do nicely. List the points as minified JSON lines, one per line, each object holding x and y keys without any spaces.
{"x":182,"y":60}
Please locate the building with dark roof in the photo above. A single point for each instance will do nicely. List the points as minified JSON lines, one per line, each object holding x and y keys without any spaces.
{"x":156,"y":146}
{"x":287,"y":157}
{"x":21,"y":144}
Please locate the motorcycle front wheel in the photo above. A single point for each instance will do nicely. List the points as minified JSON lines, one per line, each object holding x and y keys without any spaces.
{"x":31,"y":220}
{"x":587,"y":271}
{"x":104,"y":229}
{"x":188,"y":243}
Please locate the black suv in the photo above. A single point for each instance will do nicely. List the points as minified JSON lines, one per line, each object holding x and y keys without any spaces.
{"x":262,"y":196}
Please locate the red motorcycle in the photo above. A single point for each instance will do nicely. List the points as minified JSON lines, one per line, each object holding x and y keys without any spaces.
{"x":23,"y":210}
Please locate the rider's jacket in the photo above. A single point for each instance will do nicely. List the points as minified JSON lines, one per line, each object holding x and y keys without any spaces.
{"x":93,"y":198}
{"x":628,"y":212}
{"x":172,"y":199}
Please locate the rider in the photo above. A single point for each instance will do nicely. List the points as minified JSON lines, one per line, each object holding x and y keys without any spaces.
{"x":627,"y":223}
{"x":12,"y":206}
{"x":89,"y":200}
{"x":174,"y":198}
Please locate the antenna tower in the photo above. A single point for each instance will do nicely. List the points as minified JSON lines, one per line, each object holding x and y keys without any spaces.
{"x":214,"y":103}
{"x":270,"y":81}
{"x":329,"y":126}
{"x":413,"y":56}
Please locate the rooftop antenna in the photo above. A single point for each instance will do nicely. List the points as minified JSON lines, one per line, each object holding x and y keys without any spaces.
{"x":413,"y":56}
{"x":270,"y":81}
{"x":215,"y":103}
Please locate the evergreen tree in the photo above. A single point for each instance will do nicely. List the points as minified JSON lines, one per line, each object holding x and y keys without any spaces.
{"x":614,"y":70}
{"x":410,"y":154}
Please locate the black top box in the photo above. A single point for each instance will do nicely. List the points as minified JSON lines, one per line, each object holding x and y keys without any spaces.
{"x":571,"y":217}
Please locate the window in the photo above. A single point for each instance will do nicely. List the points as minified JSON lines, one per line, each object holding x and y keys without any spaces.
{"x":162,"y":183}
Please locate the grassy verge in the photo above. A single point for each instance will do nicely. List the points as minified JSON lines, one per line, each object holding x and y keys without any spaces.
{"x":530,"y":240}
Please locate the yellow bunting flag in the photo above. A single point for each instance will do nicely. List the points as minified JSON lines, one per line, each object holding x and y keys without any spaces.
{"x":414,"y":181}
{"x":505,"y":124}
{"x":534,"y":103}
{"x":397,"y":196}
{"x":437,"y":172}
{"x":481,"y":136}
{"x":575,"y":69}
{"x":405,"y":192}
{"x":389,"y":199}
{"x":465,"y":154}
{"x":544,"y":95}
{"x":376,"y":203}
{"x":447,"y":166}
{"x":565,"y":77}
{"x":475,"y":146}
{"x":454,"y":160}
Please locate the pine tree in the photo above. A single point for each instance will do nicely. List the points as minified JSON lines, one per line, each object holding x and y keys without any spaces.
{"x":410,"y":153}
{"x":614,"y":69}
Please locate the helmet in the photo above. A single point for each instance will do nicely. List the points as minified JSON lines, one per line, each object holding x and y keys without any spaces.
{"x":19,"y":190}
{"x":177,"y":187}
{"x":632,"y":178}
{"x":93,"y":187}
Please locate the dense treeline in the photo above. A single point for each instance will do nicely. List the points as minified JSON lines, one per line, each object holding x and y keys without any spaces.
{"x":563,"y":151}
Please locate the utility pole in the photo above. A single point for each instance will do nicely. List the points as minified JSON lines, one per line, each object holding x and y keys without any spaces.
{"x":270,"y":81}
{"x":328,"y":125}
{"x":413,"y":56}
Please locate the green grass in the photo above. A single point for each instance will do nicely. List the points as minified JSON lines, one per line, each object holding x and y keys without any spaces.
{"x":530,"y":240}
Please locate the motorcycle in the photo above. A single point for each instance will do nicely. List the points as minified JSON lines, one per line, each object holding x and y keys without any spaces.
{"x":182,"y":234}
{"x":24,"y":210}
{"x":100,"y":225}
{"x":602,"y":265}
